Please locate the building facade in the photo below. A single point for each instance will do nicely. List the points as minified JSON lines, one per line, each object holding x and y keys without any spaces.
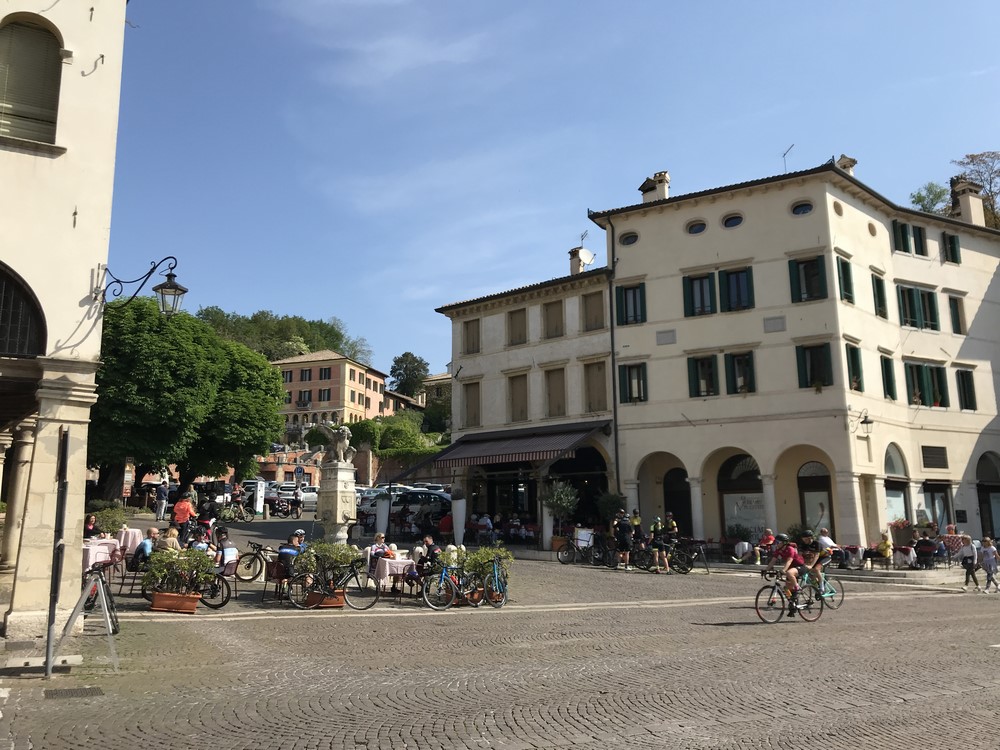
{"x":795,"y":350}
{"x":61,"y":64}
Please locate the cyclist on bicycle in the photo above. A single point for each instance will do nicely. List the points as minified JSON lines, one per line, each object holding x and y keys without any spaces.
{"x":814,"y":555}
{"x":792,"y":564}
{"x":658,"y":543}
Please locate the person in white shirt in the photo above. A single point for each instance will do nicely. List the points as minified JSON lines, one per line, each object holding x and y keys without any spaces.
{"x":226,"y":550}
{"x":969,"y":557}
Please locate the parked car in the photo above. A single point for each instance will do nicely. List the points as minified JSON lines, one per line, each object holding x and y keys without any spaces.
{"x":438,"y":502}
{"x":310,"y":497}
{"x":428,"y":486}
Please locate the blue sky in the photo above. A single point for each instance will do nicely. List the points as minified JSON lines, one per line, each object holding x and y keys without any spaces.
{"x":371,"y":160}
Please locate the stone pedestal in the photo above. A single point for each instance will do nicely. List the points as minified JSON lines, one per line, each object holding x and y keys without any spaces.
{"x":336,"y":505}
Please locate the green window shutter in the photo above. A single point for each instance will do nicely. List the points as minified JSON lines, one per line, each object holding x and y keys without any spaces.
{"x":800,"y":357}
{"x":897,"y":237}
{"x":902,"y":310}
{"x":955,"y":246}
{"x":730,"y":373}
{"x":888,"y":379}
{"x":750,"y":300}
{"x":692,"y":377}
{"x":917,"y":305}
{"x":840,"y":278}
{"x":908,"y":377}
{"x":751,"y":373}
{"x":793,"y":278}
{"x":620,"y":305}
{"x":935,"y":321}
{"x":711,"y":293}
{"x":642,"y":303}
{"x":688,"y":297}
{"x":827,"y":365}
{"x":845,"y":280}
{"x":715,"y":375}
{"x":926,"y":386}
{"x":919,"y":241}
{"x":642,"y":379}
{"x":723,"y":291}
{"x":941,"y":381}
{"x":821,"y":264}
{"x":622,"y":384}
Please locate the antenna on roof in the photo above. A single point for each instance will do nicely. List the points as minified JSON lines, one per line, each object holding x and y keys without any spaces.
{"x":584,"y":236}
{"x":784,"y":163}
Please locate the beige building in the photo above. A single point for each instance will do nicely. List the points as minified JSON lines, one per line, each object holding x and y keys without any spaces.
{"x":790,"y":350}
{"x":61,"y":64}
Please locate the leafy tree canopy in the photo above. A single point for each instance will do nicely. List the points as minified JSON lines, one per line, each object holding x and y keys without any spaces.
{"x":932,"y":198}
{"x":408,"y":374}
{"x":984,"y":169}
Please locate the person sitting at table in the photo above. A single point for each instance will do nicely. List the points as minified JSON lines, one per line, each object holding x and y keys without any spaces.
{"x":226,"y":551}
{"x":881,"y":551}
{"x":431,"y":553}
{"x":763,"y":546}
{"x":925,"y":547}
{"x":143,"y":550}
{"x":836,"y":553}
{"x":378,"y":550}
{"x":446,"y":526}
{"x":90,"y":529}
{"x":288,"y":551}
{"x":486,"y":529}
{"x":199,"y":541}
{"x":168,"y":541}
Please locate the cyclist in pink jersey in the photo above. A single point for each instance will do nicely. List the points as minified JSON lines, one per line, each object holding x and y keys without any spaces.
{"x":786,"y":554}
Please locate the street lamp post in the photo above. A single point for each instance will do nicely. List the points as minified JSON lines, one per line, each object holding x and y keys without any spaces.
{"x":169,"y":294}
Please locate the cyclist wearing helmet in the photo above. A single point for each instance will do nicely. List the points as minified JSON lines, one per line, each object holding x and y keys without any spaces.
{"x":792,"y":564}
{"x":658,"y":542}
{"x":813,"y":554}
{"x":671,"y":527}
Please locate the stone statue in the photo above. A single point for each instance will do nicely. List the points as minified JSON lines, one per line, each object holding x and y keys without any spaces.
{"x":339,"y":442}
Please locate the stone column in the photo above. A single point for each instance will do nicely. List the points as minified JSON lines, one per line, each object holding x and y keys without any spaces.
{"x":770,"y":503}
{"x":697,"y":513}
{"x":631,"y":495}
{"x":65,"y":394}
{"x":848,"y":509}
{"x":336,"y":503}
{"x":23,"y":442}
{"x":881,"y":517}
{"x":459,"y":512}
{"x":5,"y":443}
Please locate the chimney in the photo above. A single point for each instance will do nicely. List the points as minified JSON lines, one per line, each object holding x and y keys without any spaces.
{"x":847,"y":164}
{"x":967,"y":201}
{"x":656,"y":188}
{"x":576,"y":261}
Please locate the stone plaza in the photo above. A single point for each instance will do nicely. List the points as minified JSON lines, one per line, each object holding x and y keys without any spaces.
{"x":580,"y":657}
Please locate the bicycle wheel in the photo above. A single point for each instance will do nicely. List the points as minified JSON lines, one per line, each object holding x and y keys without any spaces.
{"x":809,"y":604}
{"x":249,"y":514}
{"x":299,"y":589}
{"x":680,"y":562}
{"x":249,"y":568}
{"x":439,"y":591}
{"x":496,"y":589}
{"x":597,"y":555}
{"x":833,"y":592}
{"x":116,"y":627}
{"x":642,"y":558}
{"x":567,"y":553}
{"x":297,"y":512}
{"x":227,"y":515}
{"x":770,"y":604}
{"x":217,"y":593}
{"x":360,"y":590}
{"x":471,"y":589}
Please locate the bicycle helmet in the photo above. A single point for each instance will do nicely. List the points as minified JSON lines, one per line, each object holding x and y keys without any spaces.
{"x":781,"y":538}
{"x":299,"y":532}
{"x":806,"y":532}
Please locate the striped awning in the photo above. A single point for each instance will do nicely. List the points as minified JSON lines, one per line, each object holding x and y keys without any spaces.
{"x":514,"y":446}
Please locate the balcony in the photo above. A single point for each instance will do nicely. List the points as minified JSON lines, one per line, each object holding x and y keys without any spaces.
{"x":303,"y":404}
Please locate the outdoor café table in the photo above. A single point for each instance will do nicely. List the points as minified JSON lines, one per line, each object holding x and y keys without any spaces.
{"x":953,"y":542}
{"x":129,"y":539}
{"x":387,"y":568}
{"x":98,"y":550}
{"x":903,"y":557}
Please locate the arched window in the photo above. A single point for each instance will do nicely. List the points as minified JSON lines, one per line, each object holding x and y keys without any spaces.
{"x":895,"y":466}
{"x":30,"y":72}
{"x":815,"y":497}
{"x":22,"y":327}
{"x":897,"y":489}
{"x":742,"y":494}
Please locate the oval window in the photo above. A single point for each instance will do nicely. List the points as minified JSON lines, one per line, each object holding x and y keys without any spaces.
{"x":629,"y":238}
{"x":696,"y":227}
{"x":733,"y":220}
{"x":838,"y":209}
{"x":802,"y":208}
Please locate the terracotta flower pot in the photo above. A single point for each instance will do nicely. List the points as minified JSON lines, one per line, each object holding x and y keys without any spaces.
{"x":557,"y":542}
{"x":324,"y":602}
{"x":166,"y":602}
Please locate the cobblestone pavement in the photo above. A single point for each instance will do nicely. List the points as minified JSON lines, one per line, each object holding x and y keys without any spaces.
{"x":580,"y":657}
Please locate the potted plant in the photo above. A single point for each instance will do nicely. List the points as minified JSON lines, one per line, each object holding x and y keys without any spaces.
{"x":111,"y":520}
{"x":900,"y":531}
{"x":561,"y":499}
{"x":176,"y":579}
{"x":937,"y":397}
{"x":818,"y":385}
{"x":480,"y":562}
{"x":330,"y":558}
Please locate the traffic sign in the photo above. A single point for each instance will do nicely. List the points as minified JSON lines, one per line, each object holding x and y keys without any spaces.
{"x":299,"y":471}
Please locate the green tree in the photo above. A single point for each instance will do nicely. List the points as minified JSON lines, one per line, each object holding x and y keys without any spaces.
{"x":408,"y":373}
{"x":155,"y":387}
{"x":932,"y":198}
{"x":984,"y":169}
{"x":244,"y":420}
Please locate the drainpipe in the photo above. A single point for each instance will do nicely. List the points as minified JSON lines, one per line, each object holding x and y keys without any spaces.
{"x":614,"y":368}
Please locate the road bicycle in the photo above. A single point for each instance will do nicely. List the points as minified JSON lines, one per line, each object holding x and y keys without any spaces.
{"x":236,"y":512}
{"x":771,"y":602}
{"x":571,"y":552}
{"x":832,"y":591}
{"x":352,"y":581}
{"x":251,"y":564}
{"x":495,"y":584}
{"x":94,"y":577}
{"x":440,"y":587}
{"x":215,"y":594}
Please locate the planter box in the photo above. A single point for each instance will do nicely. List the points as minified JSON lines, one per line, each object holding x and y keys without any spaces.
{"x":325,"y":602}
{"x":557,"y":542}
{"x":165,"y":602}
{"x":476,"y":596}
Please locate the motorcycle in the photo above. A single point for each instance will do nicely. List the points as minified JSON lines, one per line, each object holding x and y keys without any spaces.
{"x":281,"y":508}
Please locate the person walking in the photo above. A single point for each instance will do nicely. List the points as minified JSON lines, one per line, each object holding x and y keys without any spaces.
{"x":969,"y":557}
{"x":162,"y":495}
{"x":658,"y":542}
{"x":989,"y":562}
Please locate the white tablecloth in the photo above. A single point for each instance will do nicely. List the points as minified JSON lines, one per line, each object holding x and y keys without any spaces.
{"x":129,"y":539}
{"x":902,"y":559}
{"x":98,"y":550}
{"x":387,"y":568}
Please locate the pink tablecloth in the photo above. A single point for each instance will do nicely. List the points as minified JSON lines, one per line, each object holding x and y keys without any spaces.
{"x":953,"y":542}
{"x":129,"y":539}
{"x":386,"y":569}
{"x":98,"y":550}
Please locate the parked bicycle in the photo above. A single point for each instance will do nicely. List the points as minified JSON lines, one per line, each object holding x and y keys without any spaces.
{"x":94,"y":577}
{"x":571,"y":552}
{"x":251,"y":564}
{"x":359,"y":589}
{"x":440,"y":587}
{"x":495,"y":584}
{"x":234,"y":512}
{"x":771,"y":602}
{"x":215,"y":594}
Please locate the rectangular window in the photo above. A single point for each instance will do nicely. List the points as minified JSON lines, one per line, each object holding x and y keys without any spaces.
{"x":902,"y":237}
{"x":630,"y":304}
{"x":966,"y":390}
{"x":739,"y":373}
{"x":926,"y":385}
{"x":517,"y":327}
{"x":951,"y":249}
{"x":808,"y":279}
{"x":888,"y":379}
{"x":470,"y":337}
{"x":368,"y":384}
{"x":957,"y":309}
{"x":703,"y":376}
{"x":288,"y":397}
{"x":878,"y":292}
{"x":324,"y":394}
{"x":855,"y":376}
{"x":517,"y":394}
{"x":929,"y":310}
{"x":593,"y":311}
{"x":353,"y":397}
{"x":596,"y":384}
{"x":815,"y":365}
{"x":305,"y":375}
{"x":846,"y":280}
{"x":555,"y":393}
{"x":470,"y":399}
{"x":305,"y":397}
{"x":368,"y":402}
{"x":918,"y":308}
{"x":699,"y":295}
{"x":286,"y":376}
{"x":552,"y":314}
{"x":632,"y":383}
{"x":351,"y":375}
{"x":324,"y":373}
{"x":919,"y":241}
{"x":736,"y":289}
